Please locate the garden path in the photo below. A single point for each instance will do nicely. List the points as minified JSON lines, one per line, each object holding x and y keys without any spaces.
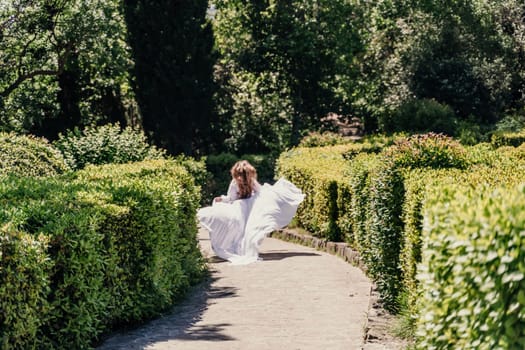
{"x":295,"y":298}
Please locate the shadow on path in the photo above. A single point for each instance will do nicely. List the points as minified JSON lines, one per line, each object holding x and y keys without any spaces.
{"x":280,"y":255}
{"x":178,"y":323}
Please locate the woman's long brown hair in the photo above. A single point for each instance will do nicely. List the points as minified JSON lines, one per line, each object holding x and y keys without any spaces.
{"x":245,"y":176}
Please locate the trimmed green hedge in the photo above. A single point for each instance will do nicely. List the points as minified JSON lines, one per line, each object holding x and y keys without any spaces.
{"x":514,"y":139}
{"x":473,"y":271}
{"x":86,"y":252}
{"x":385,"y":195}
{"x":357,"y":200}
{"x":24,"y":285}
{"x":26,"y":155}
{"x":374,"y":201}
{"x":318,"y":172}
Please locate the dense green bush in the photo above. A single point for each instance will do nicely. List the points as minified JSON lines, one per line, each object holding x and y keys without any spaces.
{"x":23,"y":287}
{"x":105,"y":144}
{"x":163,"y":259}
{"x":70,"y":285}
{"x":26,"y":155}
{"x":423,"y":115}
{"x":384,"y":229}
{"x":496,"y":167}
{"x":473,"y":276}
{"x":357,"y":177}
{"x":513,"y":122}
{"x":375,"y":200}
{"x":94,"y":249}
{"x":416,"y":183}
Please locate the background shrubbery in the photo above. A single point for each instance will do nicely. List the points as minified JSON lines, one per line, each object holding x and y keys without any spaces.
{"x":104,"y":145}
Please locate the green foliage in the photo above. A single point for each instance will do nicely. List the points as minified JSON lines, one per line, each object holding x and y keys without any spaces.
{"x":29,"y":156}
{"x":371,"y":144}
{"x":64,"y":64}
{"x":105,"y":144}
{"x":464,"y":54}
{"x":105,"y":246}
{"x":318,"y":172}
{"x":289,"y":62}
{"x":197,"y":170}
{"x":384,"y":229}
{"x":163,"y":259}
{"x":502,"y":138}
{"x":496,"y":167}
{"x":469,"y":132}
{"x":376,"y":200}
{"x":24,"y":284}
{"x":357,"y":175}
{"x":473,"y":268}
{"x":511,"y":123}
{"x":318,"y":139}
{"x":425,"y":115}
{"x":427,"y":150}
{"x":259,"y":117}
{"x":416,"y":183}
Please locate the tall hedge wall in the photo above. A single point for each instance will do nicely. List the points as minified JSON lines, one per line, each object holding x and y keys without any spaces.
{"x":473,"y":271}
{"x":375,"y":202}
{"x":83,"y":253}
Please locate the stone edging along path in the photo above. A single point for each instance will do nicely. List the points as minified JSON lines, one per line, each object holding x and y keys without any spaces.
{"x":338,"y":248}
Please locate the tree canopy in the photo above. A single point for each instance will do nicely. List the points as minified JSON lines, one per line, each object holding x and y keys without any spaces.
{"x":256,"y":76}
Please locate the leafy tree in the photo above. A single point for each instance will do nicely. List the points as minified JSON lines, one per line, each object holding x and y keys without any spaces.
{"x":465,"y":54}
{"x":62,"y":63}
{"x":172,"y":46}
{"x":295,"y":56}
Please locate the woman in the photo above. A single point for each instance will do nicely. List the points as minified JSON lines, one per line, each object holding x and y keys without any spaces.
{"x":238,"y":221}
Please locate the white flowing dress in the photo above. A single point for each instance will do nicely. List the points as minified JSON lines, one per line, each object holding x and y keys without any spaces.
{"x":238,"y":226}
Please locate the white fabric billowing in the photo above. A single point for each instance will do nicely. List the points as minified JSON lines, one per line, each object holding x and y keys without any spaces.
{"x":238,"y":228}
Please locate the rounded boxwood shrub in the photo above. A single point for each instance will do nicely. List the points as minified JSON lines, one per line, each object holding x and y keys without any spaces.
{"x":106,"y":144}
{"x":27,"y":155}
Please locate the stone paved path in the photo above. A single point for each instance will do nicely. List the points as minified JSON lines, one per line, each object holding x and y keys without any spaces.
{"x":295,"y":298}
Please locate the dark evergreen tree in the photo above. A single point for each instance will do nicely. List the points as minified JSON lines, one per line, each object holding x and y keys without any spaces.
{"x":172,"y":45}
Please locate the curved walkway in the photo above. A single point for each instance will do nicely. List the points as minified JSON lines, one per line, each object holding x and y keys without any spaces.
{"x":295,"y":298}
